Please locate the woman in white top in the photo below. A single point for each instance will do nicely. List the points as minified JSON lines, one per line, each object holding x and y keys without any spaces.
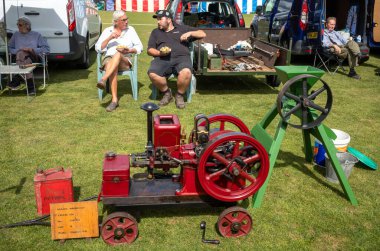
{"x":118,"y":42}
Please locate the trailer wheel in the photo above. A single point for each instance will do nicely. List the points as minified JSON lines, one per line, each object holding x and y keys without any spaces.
{"x":232,"y":166}
{"x":119,"y":228}
{"x":234,"y":222}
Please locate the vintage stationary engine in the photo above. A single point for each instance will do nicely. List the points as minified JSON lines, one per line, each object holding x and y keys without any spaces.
{"x":217,"y":166}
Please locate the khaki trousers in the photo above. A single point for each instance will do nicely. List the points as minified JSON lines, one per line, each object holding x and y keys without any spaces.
{"x":351,"y":51}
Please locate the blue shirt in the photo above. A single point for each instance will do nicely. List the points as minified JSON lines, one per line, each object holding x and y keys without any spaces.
{"x":333,"y":37}
{"x":32,"y":39}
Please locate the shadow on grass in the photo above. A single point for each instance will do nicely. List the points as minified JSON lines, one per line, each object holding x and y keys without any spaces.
{"x":7,"y":93}
{"x":77,"y":193}
{"x":164,"y":211}
{"x":17,"y":188}
{"x":289,"y":159}
{"x":64,"y":72}
{"x":123,"y":88}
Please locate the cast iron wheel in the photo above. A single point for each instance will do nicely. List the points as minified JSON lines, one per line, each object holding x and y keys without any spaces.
{"x":304,"y":105}
{"x":232,"y":166}
{"x":225,"y":120}
{"x":234,"y":222}
{"x":119,"y":228}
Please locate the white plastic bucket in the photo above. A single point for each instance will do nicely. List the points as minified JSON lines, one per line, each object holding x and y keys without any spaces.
{"x":346,"y":160}
{"x":342,"y":140}
{"x":341,"y":143}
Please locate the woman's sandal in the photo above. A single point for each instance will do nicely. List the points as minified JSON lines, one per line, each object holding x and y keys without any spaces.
{"x":101,"y":84}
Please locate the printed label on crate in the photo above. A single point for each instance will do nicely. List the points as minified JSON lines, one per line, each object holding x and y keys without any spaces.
{"x":74,"y":220}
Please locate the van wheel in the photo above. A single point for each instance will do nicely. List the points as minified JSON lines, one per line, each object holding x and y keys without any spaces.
{"x":85,"y":59}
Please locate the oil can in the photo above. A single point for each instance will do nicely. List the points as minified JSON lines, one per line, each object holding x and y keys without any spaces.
{"x":54,"y":185}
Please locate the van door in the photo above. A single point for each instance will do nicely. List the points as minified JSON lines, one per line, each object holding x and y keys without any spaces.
{"x":264,"y":20}
{"x":376,"y":21}
{"x":93,"y":21}
{"x":47,"y":17}
{"x":86,"y":15}
{"x":279,"y":20}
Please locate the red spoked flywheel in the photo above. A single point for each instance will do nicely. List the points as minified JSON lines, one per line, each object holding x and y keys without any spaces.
{"x":222,"y":122}
{"x":233,"y":166}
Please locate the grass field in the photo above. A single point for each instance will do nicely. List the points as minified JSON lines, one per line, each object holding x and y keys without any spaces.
{"x":65,"y":125}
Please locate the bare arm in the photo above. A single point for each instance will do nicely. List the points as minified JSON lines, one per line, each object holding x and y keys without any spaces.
{"x":198,"y":34}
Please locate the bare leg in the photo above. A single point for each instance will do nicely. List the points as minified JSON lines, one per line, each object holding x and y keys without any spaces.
{"x":113,"y":65}
{"x":159,"y":82}
{"x":183,"y":80}
{"x":113,"y":83}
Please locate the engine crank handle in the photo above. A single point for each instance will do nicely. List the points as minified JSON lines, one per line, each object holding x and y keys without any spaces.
{"x":216,"y":242}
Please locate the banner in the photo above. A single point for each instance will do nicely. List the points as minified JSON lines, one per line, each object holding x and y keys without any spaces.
{"x":246,"y":6}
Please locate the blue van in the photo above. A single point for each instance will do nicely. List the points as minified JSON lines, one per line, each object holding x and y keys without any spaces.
{"x":299,"y":24}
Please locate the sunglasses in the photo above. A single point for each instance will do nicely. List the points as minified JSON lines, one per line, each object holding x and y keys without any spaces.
{"x":124,"y":19}
{"x":20,"y":25}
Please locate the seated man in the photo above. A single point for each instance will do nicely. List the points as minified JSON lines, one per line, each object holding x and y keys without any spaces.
{"x":29,"y":47}
{"x":338,"y":45}
{"x":169,"y":45}
{"x":119,"y":41}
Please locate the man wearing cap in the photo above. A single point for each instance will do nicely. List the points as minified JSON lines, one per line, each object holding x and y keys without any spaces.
{"x":169,"y":45}
{"x":29,"y":47}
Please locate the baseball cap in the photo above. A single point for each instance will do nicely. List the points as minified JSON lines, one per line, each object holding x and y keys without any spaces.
{"x":162,"y":13}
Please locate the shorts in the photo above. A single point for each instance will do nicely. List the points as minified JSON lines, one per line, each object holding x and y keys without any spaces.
{"x":167,"y":67}
{"x":108,"y":58}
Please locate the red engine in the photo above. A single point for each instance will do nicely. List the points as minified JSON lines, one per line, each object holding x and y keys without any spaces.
{"x":216,"y":164}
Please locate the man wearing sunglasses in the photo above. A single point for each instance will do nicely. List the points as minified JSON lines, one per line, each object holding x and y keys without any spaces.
{"x":28,"y":46}
{"x":118,"y":42}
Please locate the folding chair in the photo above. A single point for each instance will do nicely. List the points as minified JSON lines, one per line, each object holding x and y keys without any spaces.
{"x":326,"y":58}
{"x":193,"y":82}
{"x":132,"y":73}
{"x":43,"y":64}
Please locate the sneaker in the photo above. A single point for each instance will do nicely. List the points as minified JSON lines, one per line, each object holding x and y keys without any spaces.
{"x":353,"y":74}
{"x":14,"y":84}
{"x":111,"y":107}
{"x":31,"y":91}
{"x":167,"y":98}
{"x":179,"y":101}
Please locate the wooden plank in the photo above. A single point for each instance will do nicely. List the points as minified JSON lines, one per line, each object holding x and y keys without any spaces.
{"x":74,"y":220}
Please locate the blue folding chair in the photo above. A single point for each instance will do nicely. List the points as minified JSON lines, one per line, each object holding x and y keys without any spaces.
{"x":132,"y":73}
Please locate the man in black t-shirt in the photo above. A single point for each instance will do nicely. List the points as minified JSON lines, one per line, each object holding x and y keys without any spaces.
{"x":169,"y":45}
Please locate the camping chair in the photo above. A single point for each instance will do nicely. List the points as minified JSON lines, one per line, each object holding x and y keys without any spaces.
{"x":43,"y":64}
{"x":132,"y":73}
{"x":324,"y":58}
{"x":193,"y":82}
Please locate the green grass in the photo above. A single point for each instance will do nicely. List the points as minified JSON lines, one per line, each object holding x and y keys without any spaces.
{"x":65,"y":125}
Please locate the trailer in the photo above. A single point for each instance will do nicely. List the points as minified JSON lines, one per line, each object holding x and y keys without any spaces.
{"x":228,"y":58}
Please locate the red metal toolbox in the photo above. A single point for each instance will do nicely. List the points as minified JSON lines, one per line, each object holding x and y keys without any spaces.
{"x":116,"y":176}
{"x":53,"y":185}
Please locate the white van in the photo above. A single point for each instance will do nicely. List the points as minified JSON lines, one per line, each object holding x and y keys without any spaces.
{"x":71,"y":27}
